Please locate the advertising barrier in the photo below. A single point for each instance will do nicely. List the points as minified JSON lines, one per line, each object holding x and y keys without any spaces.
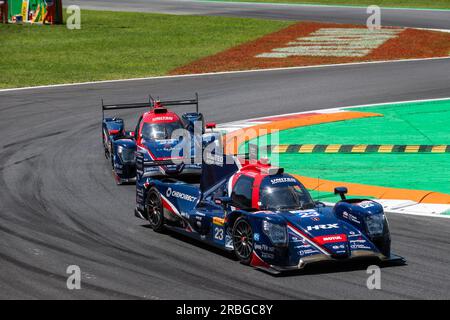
{"x":31,"y":11}
{"x":3,"y":11}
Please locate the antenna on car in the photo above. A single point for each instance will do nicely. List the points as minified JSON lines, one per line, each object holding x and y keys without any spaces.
{"x":151,"y":101}
{"x":196,"y":102}
{"x":103,"y":111}
{"x":318,"y":190}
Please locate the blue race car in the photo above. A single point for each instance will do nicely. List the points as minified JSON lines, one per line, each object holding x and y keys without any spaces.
{"x":153,"y":138}
{"x":265,"y":216}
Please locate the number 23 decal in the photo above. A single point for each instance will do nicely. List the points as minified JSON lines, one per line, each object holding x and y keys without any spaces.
{"x":218,"y":233}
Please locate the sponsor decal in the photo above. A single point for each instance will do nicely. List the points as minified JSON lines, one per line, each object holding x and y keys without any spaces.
{"x":359,"y":247}
{"x":228,"y":242}
{"x":218,"y":221}
{"x":282,"y":180}
{"x":358,"y":241}
{"x":296,"y":239}
{"x":303,"y":246}
{"x":166,"y":142}
{"x":214,"y":159}
{"x":307,"y":252}
{"x":266,"y":255}
{"x":330,"y":238}
{"x":256,"y":236}
{"x":151,"y":169}
{"x":180,"y":195}
{"x":366,"y":204}
{"x":305,"y":214}
{"x":327,"y":226}
{"x":164,"y":118}
{"x":350,"y":217}
{"x":353,"y":234}
{"x":186,"y":215}
{"x":264,"y":248}
{"x":359,"y":244}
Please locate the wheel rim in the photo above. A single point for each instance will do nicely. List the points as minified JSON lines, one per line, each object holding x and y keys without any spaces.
{"x":154,"y":210}
{"x":243,"y":240}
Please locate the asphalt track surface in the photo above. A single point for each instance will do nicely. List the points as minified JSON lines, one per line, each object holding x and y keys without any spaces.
{"x":59,"y":205}
{"x":434,"y":19}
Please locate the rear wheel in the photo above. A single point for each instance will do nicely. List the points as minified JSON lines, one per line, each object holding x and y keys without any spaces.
{"x":154,"y":209}
{"x":105,"y":143}
{"x":243,"y":240}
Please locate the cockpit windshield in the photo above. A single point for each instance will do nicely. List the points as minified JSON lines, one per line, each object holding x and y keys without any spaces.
{"x":284,"y":196}
{"x":160,"y":131}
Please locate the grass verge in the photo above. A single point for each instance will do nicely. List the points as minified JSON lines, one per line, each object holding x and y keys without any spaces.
{"x":420,"y":4}
{"x":115,"y":45}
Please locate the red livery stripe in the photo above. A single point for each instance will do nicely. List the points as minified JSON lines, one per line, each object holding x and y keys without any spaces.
{"x":258,"y":262}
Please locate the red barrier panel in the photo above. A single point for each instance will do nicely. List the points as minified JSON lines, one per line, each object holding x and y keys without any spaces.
{"x":3,"y":11}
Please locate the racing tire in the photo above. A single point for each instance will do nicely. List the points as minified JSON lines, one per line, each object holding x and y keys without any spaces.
{"x":105,"y":149}
{"x":154,"y":210}
{"x":243,"y":240}
{"x":111,"y":154}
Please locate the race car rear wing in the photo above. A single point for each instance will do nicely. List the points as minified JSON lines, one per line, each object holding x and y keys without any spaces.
{"x":151,"y":103}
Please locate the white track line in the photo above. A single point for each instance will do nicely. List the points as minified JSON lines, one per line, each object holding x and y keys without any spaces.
{"x":251,"y":120}
{"x":237,"y":3}
{"x":223,"y":73}
{"x":438,"y":30}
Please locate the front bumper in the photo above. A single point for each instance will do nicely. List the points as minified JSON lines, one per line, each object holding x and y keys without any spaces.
{"x":322,"y":259}
{"x":120,"y":180}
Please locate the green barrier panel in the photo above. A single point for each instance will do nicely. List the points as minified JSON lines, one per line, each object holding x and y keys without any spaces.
{"x":35,"y":11}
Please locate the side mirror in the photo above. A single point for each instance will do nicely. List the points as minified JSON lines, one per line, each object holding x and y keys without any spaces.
{"x":223,"y":201}
{"x":341,"y":191}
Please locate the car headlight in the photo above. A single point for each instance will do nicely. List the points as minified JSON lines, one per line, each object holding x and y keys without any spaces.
{"x":126,"y":155}
{"x":277,"y":233}
{"x":375,"y":224}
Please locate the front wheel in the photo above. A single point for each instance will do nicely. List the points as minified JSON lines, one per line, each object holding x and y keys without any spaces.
{"x":111,"y":154}
{"x":243,"y":240}
{"x":155,"y":211}
{"x":105,"y":144}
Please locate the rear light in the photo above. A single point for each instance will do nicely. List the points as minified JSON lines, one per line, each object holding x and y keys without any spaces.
{"x":210,"y":125}
{"x":113,"y":131}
